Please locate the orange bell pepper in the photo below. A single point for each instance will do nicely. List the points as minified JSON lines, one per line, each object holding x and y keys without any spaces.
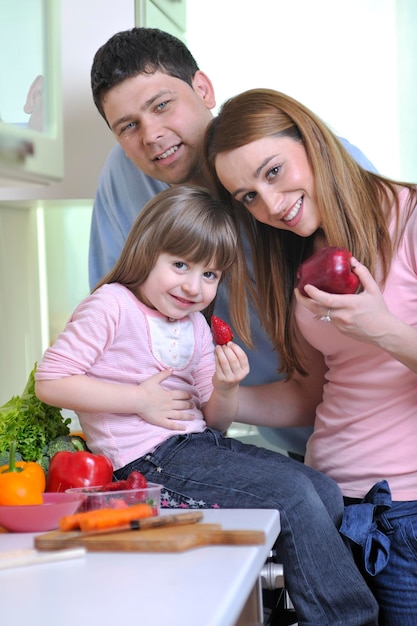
{"x":21,"y":482}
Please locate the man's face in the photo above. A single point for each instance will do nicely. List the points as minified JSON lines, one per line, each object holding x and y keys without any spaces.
{"x":160,"y":123}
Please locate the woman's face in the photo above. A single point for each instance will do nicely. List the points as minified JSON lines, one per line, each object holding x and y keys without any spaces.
{"x":272,"y":178}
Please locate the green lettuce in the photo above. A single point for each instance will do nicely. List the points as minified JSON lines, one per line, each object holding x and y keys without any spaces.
{"x":30,"y":422}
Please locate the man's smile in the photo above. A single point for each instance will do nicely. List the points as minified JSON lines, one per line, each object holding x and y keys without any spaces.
{"x":167,"y":153}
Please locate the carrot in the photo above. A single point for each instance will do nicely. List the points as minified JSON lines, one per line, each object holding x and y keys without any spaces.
{"x":110,"y":518}
{"x":105,"y":518}
{"x":77,"y":433}
{"x":70,"y":522}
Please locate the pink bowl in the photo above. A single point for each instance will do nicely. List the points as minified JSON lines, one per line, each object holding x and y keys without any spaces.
{"x":34,"y":518}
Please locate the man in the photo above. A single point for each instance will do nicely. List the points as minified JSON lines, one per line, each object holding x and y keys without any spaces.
{"x":158,"y":103}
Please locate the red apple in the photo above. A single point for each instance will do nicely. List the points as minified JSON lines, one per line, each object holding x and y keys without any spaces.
{"x":329,"y":270}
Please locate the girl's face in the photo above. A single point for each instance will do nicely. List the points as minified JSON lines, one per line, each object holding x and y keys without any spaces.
{"x":176,"y":287}
{"x":272,"y":178}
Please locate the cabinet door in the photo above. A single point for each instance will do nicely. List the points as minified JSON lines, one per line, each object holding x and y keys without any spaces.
{"x":168,"y":15}
{"x":175,"y":10}
{"x":30,"y":96}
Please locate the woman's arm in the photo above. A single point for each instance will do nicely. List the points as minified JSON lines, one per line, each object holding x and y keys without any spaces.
{"x":400,"y":341}
{"x":277,"y":404}
{"x":285,"y":403}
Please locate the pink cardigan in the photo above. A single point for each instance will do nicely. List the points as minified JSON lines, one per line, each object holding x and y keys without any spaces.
{"x":114,"y":337}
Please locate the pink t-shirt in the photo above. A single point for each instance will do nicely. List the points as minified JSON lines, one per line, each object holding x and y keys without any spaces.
{"x":113,"y":337}
{"x":366,"y":426}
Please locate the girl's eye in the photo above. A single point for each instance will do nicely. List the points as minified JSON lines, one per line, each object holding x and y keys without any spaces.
{"x":272,"y":173}
{"x":211,"y":275}
{"x":180,"y":265}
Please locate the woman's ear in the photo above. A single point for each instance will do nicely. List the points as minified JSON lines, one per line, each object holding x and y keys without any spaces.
{"x":202,"y":85}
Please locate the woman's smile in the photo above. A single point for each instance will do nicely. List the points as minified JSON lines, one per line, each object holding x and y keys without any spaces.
{"x":293,"y":212}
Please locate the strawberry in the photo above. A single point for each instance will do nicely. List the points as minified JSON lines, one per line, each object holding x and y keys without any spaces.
{"x":136,"y":480}
{"x":116,"y":485}
{"x":222,"y":333}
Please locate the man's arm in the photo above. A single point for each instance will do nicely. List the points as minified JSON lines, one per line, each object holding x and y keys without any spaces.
{"x":123,"y":190}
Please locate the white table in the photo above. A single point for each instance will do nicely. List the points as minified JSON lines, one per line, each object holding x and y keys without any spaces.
{"x":207,"y":586}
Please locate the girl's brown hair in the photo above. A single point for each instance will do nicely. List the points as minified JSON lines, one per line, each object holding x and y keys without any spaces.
{"x":354,"y":205}
{"x":185,"y":222}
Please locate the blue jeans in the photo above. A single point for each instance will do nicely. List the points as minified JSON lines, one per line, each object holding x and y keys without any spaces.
{"x":206,"y":470}
{"x":395,"y":586}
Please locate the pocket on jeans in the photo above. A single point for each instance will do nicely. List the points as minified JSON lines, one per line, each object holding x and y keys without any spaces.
{"x":407,"y":534}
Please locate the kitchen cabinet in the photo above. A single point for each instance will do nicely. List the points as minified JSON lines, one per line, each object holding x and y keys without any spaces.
{"x":86,"y":138}
{"x":44,"y":228}
{"x":169,"y":15}
{"x":175,"y":10}
{"x":30,"y":97}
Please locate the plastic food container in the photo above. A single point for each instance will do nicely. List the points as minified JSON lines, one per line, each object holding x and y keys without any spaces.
{"x":95,"y":499}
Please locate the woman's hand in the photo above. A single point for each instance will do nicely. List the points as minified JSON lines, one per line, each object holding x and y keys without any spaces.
{"x":363,"y":316}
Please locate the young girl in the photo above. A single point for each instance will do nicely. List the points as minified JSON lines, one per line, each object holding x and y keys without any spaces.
{"x":136,"y":361}
{"x":302,"y":191}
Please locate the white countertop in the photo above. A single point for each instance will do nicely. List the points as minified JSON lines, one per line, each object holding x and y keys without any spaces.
{"x":206,"y":586}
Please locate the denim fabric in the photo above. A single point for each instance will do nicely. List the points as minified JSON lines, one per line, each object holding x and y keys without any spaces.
{"x":208,"y":470}
{"x":395,"y":586}
{"x":367,"y":525}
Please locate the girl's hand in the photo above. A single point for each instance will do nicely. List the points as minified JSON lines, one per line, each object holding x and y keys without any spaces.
{"x":160,"y":406}
{"x":232,"y":366}
{"x":363,"y":316}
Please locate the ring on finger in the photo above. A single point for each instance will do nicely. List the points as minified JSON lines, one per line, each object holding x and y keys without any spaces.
{"x":326,"y":318}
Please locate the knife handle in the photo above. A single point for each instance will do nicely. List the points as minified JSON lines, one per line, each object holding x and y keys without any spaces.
{"x":190,"y":517}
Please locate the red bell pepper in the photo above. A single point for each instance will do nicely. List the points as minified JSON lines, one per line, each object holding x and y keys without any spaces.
{"x":78,"y":469}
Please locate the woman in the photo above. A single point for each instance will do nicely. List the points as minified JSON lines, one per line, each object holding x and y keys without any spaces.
{"x":302,"y":191}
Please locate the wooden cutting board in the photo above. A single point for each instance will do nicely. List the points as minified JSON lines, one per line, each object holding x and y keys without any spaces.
{"x":167,"y":539}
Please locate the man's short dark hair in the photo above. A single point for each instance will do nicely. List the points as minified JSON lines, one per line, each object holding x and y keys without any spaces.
{"x":139,"y":51}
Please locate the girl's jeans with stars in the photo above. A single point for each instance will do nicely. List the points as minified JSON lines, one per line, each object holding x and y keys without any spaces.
{"x":208,"y":470}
